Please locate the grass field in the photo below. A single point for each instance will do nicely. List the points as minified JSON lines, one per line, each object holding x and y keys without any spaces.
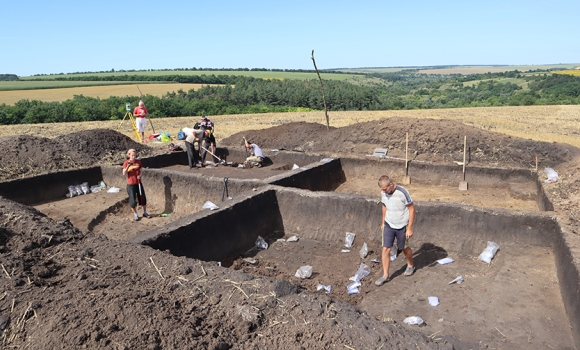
{"x":541,"y":123}
{"x":255,"y":74}
{"x":462,"y":69}
{"x":33,"y":85}
{"x":62,"y":94}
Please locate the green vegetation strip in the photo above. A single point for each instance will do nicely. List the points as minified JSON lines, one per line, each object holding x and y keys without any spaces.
{"x":51,"y":84}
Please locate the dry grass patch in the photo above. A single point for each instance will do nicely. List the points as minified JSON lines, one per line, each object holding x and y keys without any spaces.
{"x":541,"y":123}
{"x":62,"y":94}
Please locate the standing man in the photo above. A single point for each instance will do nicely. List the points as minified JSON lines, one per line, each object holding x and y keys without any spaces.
{"x":196,"y":135}
{"x":140,"y":113}
{"x":208,"y":144}
{"x":398,"y":218}
{"x":132,"y":169}
{"x":256,"y":155}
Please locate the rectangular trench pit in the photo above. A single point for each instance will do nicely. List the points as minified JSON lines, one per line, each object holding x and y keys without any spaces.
{"x":517,"y":294}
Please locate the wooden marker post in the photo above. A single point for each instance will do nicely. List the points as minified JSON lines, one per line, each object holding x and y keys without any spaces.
{"x":463,"y":184}
{"x":407,"y":178}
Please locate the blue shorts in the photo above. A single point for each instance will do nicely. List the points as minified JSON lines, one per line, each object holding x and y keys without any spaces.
{"x":389,"y":235}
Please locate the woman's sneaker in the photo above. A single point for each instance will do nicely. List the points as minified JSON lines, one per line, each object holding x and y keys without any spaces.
{"x":409,"y":271}
{"x":136,"y":217}
{"x":146,"y":215}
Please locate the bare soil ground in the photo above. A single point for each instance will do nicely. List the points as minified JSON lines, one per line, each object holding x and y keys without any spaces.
{"x":62,"y":287}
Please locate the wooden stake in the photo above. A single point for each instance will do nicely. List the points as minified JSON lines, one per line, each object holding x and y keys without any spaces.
{"x":407,"y":154}
{"x":464,"y":152}
{"x":323,"y":98}
{"x":536,"y":164}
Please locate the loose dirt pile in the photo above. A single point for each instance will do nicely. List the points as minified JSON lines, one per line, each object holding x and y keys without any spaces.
{"x":25,"y":156}
{"x":67,"y":289}
{"x":429,"y":140}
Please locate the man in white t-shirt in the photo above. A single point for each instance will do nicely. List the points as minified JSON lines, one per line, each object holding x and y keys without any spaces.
{"x":398,"y":218}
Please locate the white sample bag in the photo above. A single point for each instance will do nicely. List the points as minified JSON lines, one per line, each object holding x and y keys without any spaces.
{"x":349,"y":239}
{"x":488,"y":252}
{"x":304,"y":272}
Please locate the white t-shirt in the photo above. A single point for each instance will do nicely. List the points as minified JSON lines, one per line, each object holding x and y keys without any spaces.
{"x":257,"y":151}
{"x":397,"y":211}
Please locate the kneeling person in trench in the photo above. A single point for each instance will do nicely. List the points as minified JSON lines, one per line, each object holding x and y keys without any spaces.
{"x":132,"y":169}
{"x":398,"y":218}
{"x":257,"y":156}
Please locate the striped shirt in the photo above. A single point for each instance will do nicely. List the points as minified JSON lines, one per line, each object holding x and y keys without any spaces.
{"x":397,"y":211}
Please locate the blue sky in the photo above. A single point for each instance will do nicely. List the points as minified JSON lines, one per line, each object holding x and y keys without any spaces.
{"x":43,"y":37}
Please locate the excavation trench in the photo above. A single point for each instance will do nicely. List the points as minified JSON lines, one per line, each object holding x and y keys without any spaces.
{"x":522,"y":297}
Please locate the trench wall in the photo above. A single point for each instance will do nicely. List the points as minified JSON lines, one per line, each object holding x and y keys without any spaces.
{"x":567,"y":254}
{"x":180,"y":192}
{"x":227,"y":232}
{"x":48,"y":187}
{"x":328,"y":216}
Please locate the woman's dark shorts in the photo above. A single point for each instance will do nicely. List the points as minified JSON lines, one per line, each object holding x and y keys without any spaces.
{"x":133,"y":191}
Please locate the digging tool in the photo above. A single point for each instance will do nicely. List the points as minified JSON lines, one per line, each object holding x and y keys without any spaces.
{"x":141,"y":96}
{"x":463,"y":184}
{"x":225,"y":191}
{"x":221,"y":160}
{"x":407,"y":178}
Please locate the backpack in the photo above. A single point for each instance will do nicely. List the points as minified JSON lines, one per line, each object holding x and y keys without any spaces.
{"x":181,"y":135}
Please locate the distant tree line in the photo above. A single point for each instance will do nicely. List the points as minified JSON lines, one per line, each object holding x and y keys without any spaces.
{"x":7,"y":77}
{"x":206,"y":69}
{"x":238,"y":95}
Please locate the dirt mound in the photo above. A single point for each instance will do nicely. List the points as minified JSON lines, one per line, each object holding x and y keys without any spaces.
{"x":67,"y":290}
{"x":429,"y":139}
{"x":26,"y":155}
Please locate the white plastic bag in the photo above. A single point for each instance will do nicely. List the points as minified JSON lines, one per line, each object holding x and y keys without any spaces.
{"x":433,"y":301}
{"x":363,"y":271}
{"x":209,"y":205}
{"x":295,"y":166}
{"x":322,"y":286}
{"x":414,"y":320}
{"x":349,"y":239}
{"x":445,"y":261}
{"x":488,"y":252}
{"x":364,"y":251}
{"x":292,"y":239}
{"x":113,"y":190}
{"x":353,"y":288}
{"x":458,"y":280}
{"x":261,"y":243}
{"x":304,"y":272}
{"x":85,"y":188}
{"x":552,"y":175}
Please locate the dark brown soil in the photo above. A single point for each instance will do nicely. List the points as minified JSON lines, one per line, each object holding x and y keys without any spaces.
{"x":62,"y":288}
{"x":24,"y":155}
{"x":429,"y":140}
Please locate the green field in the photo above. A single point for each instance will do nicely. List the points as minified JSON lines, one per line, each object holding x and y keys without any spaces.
{"x":35,"y":85}
{"x":463,"y":69}
{"x":255,"y":74}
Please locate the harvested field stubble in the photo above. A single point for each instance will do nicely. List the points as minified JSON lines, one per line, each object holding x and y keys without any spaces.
{"x":540,"y":123}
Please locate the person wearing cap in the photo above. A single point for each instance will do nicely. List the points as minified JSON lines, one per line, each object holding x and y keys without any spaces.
{"x":140,"y":113}
{"x":208,"y":145}
{"x":206,"y":124}
{"x":256,"y":157}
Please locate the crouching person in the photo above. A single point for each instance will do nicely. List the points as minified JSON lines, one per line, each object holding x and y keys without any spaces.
{"x":256,"y":157}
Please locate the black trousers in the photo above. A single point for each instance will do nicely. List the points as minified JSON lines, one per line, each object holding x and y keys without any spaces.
{"x":192,"y":154}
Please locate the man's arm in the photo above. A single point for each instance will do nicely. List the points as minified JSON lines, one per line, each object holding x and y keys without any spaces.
{"x":384,"y":209}
{"x":246,"y":142}
{"x":411,"y":219}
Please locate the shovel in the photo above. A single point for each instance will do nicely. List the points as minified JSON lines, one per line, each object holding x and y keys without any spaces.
{"x":221,"y":160}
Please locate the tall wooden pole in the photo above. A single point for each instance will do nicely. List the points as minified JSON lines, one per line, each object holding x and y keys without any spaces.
{"x":464,"y":152}
{"x":407,"y":155}
{"x":323,"y":98}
